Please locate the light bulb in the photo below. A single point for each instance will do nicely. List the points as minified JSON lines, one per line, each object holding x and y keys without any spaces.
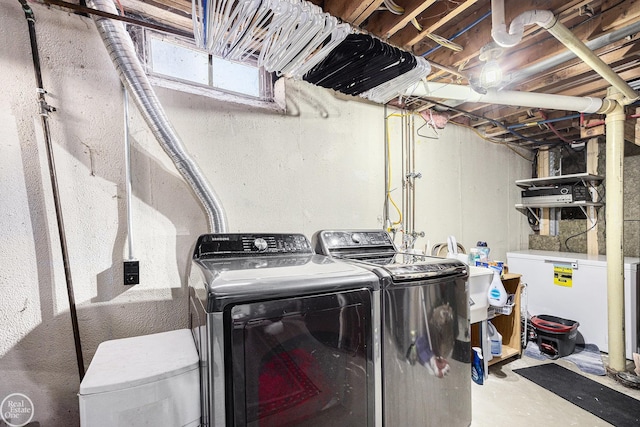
{"x":491,"y":74}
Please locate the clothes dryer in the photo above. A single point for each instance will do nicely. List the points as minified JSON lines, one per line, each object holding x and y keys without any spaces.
{"x":284,"y":336}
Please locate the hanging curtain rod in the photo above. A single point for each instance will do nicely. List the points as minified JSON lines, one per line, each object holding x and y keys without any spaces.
{"x":91,"y":11}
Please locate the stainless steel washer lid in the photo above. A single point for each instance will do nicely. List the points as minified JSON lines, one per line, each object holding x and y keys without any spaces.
{"x":404,"y":267}
{"x":374,"y":248}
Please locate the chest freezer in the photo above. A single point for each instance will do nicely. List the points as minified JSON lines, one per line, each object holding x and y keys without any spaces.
{"x":574,"y":286}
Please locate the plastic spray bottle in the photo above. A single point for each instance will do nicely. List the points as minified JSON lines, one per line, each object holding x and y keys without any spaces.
{"x":497,"y":294}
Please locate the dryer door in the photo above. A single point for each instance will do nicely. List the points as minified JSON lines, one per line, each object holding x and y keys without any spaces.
{"x":302,"y":361}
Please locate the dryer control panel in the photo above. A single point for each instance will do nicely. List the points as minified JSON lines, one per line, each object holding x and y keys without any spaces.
{"x":221,"y":245}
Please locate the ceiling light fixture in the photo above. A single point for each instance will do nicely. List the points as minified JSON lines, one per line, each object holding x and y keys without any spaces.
{"x":491,"y":74}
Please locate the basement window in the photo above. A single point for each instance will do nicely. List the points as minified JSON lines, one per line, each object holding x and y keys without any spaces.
{"x":176,"y":63}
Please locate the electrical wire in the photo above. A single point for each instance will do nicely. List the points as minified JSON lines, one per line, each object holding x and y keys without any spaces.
{"x":553,"y":129}
{"x":493,"y":122}
{"x":491,"y":140}
{"x":459,"y":33}
{"x":388,"y":189}
{"x":120,"y":7}
{"x":579,"y":234}
{"x":393,"y":7}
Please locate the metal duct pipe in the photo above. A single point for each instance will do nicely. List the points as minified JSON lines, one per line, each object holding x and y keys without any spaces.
{"x":560,"y":58}
{"x":122,"y":53}
{"x":615,"y":224}
{"x":574,"y":44}
{"x":552,"y":24}
{"x":508,"y":97}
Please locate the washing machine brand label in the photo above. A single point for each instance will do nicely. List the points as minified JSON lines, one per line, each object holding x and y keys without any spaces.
{"x":17,"y":410}
{"x":226,"y":239}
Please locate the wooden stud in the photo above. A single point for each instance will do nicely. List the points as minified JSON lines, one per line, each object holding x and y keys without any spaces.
{"x":592,"y":168}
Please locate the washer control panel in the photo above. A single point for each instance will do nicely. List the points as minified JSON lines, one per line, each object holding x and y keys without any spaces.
{"x":355,"y":239}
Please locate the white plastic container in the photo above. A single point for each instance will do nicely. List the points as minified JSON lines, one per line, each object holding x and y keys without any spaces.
{"x":496,"y":340}
{"x":150,"y":380}
{"x":479,"y":281}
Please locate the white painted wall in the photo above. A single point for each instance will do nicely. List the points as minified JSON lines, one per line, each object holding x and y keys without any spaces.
{"x":319,"y":166}
{"x":467,"y":190}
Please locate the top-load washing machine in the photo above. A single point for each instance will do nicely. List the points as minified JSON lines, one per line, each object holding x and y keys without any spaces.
{"x":285,"y":337}
{"x":425,"y":336}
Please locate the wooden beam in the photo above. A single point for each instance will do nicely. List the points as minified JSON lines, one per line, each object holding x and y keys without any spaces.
{"x":387,"y":24}
{"x":438,"y":16}
{"x":621,"y":14}
{"x":160,"y":13}
{"x":637,"y":128}
{"x":352,"y":11}
{"x":543,"y":171}
{"x":592,"y":168}
{"x":367,"y":12}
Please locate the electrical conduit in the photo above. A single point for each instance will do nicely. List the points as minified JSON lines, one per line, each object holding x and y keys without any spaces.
{"x":122,"y":53}
{"x":44,"y":114}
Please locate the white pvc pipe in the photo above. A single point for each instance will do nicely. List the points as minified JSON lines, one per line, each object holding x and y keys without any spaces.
{"x":615,"y":222}
{"x":516,"y":29}
{"x":505,"y":97}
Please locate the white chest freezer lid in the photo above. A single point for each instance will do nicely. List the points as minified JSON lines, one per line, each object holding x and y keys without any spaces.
{"x":568,"y":257}
{"x":130,"y":362}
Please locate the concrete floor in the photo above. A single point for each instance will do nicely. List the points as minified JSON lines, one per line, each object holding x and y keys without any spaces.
{"x":508,"y":400}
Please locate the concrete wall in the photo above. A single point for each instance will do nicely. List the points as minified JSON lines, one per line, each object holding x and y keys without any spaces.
{"x":319,"y":166}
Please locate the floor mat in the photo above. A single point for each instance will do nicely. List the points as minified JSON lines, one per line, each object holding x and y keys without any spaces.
{"x":586,"y":357}
{"x":608,"y":404}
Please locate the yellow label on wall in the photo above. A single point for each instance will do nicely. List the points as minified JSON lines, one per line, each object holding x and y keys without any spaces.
{"x":563,"y":276}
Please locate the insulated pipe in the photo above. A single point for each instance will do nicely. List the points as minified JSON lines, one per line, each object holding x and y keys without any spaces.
{"x":615,"y":223}
{"x":507,"y":97}
{"x":122,"y":53}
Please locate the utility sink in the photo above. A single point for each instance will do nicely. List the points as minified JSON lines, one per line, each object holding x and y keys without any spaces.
{"x":479,"y":281}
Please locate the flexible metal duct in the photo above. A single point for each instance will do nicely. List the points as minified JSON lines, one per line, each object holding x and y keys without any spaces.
{"x":122,"y":53}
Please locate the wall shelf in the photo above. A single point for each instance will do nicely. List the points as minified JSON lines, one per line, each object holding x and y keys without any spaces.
{"x":562,"y":179}
{"x":588,"y":180}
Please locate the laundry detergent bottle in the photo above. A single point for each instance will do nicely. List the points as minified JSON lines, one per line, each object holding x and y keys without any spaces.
{"x":497,"y":294}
